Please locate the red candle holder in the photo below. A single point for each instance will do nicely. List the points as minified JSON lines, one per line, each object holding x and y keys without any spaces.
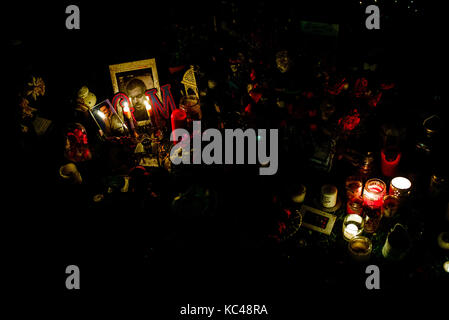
{"x":373,"y":193}
{"x":178,"y":121}
{"x":389,"y":166}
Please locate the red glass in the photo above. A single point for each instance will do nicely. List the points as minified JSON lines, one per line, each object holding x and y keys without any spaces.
{"x":373,"y":193}
{"x":178,"y":121}
{"x":389,"y":166}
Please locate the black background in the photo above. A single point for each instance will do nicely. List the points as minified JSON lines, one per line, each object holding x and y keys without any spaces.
{"x":46,"y":234}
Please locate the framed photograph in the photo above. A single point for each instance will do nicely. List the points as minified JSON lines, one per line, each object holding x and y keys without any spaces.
{"x":317,"y":220}
{"x":133,"y":79}
{"x":108,"y":120}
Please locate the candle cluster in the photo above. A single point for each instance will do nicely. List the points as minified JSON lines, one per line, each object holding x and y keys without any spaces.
{"x":366,"y":208}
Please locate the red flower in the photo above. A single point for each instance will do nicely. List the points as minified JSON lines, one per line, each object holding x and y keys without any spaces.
{"x":308,"y":94}
{"x":337,"y":87}
{"x":361,"y":86}
{"x":282,"y":227}
{"x":350,"y":121}
{"x":387,"y":86}
{"x":373,"y":101}
{"x":253,"y":75}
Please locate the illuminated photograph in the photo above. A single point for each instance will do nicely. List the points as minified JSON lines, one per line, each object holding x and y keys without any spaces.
{"x":108,"y":120}
{"x":133,"y":79}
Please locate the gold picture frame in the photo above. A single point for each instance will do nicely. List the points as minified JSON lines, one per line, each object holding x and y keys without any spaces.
{"x":145,"y":70}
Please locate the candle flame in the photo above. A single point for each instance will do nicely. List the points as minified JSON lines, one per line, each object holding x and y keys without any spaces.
{"x":401,"y":183}
{"x":101,"y":114}
{"x":147,"y":105}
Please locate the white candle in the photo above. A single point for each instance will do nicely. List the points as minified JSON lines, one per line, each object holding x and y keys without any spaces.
{"x":400,"y":187}
{"x":351,"y":230}
{"x":328,"y":196}
{"x":446,"y":266}
{"x":352,"y":226}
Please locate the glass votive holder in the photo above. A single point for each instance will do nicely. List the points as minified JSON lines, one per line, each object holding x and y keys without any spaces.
{"x":390,"y":162}
{"x":372,"y":216}
{"x":374,"y":192}
{"x":354,"y":206}
{"x":352,"y":226}
{"x":191,"y":105}
{"x":353,"y":187}
{"x":390,"y":206}
{"x":360,"y":248}
{"x":400,"y":187}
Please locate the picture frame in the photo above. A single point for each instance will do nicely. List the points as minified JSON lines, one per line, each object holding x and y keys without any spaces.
{"x":134,"y":78}
{"x":317,"y":220}
{"x":145,"y":70}
{"x":104,"y":111}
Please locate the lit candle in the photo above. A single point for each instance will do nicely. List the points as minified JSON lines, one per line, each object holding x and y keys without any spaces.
{"x":148,"y":108}
{"x":400,"y":187}
{"x":373,"y":193}
{"x":127,"y":113}
{"x":351,"y":230}
{"x":152,"y":116}
{"x":446,"y":266}
{"x":101,"y":115}
{"x":353,"y":187}
{"x":352,"y":226}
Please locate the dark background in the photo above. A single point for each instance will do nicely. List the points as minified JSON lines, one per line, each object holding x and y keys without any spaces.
{"x":49,"y":234}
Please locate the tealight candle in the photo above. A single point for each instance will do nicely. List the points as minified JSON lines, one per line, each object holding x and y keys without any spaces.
{"x":360,"y":248}
{"x":373,"y":193}
{"x":328,"y":196}
{"x":446,"y":266}
{"x":352,"y":226}
{"x":400,"y":187}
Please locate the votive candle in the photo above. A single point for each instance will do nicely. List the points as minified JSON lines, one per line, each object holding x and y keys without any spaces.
{"x":374,"y":192}
{"x":352,"y":226}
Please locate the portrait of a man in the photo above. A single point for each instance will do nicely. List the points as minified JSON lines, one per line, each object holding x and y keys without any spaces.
{"x":135,"y":90}
{"x":108,"y":120}
{"x":133,"y":79}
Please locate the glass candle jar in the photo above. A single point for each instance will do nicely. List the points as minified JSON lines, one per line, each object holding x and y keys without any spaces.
{"x":400,"y":187}
{"x":374,"y":192}
{"x":389,"y":162}
{"x":390,"y":206}
{"x":352,"y":226}
{"x":191,"y":105}
{"x":353,"y":187}
{"x":355,"y":206}
{"x":360,"y":248}
{"x":372,"y":216}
